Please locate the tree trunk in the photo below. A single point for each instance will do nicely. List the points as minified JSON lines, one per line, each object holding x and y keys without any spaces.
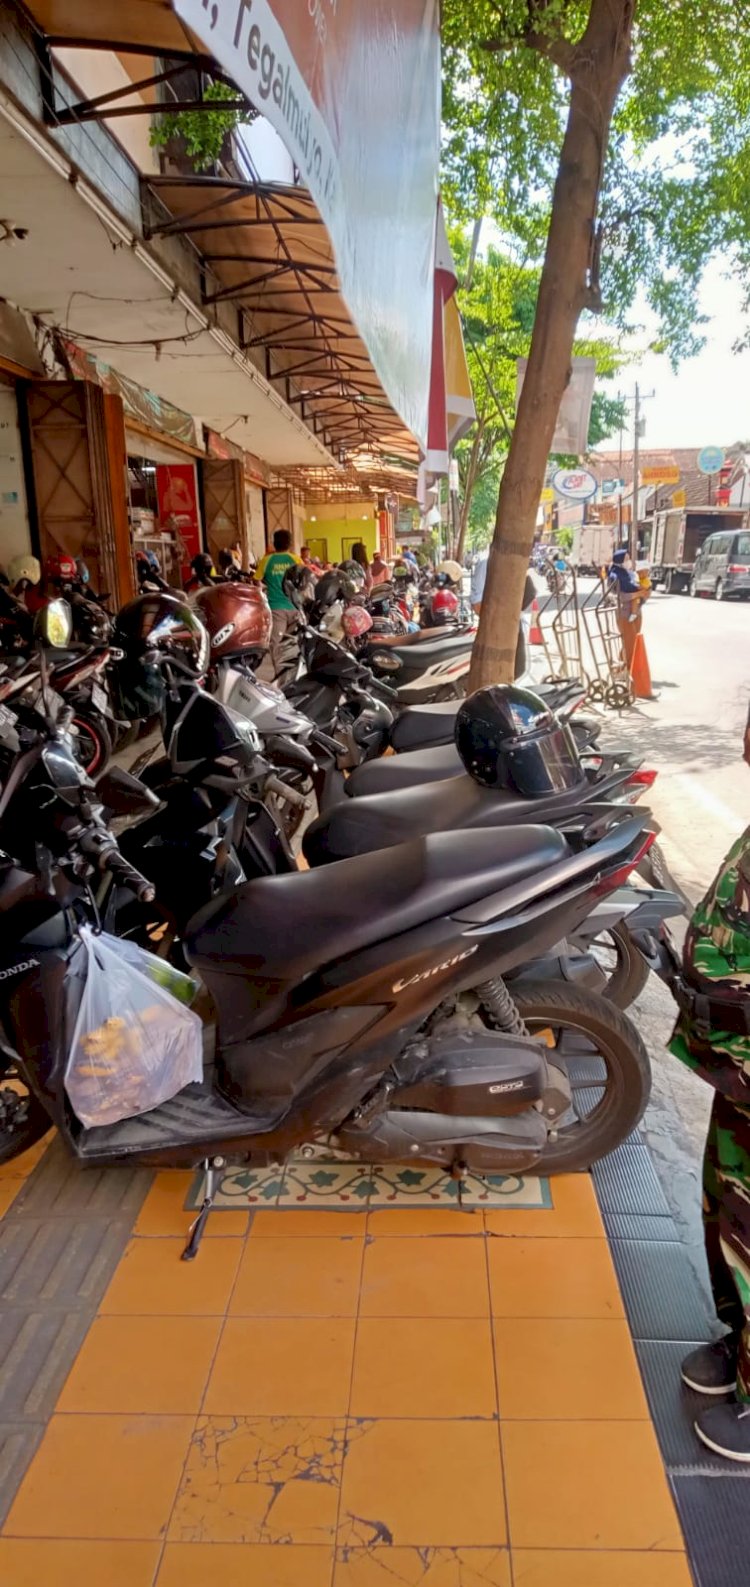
{"x":469,"y":482}
{"x":597,"y":66}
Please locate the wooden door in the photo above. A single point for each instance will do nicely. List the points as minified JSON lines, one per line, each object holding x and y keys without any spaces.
{"x":79,"y":486}
{"x":224,"y":505}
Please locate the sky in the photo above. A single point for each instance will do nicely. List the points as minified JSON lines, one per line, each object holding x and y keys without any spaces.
{"x":707,"y":403}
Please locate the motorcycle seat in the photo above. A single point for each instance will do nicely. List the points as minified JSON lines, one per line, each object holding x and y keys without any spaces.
{"x":434,"y":651}
{"x":421,"y":726}
{"x":394,"y":772}
{"x":285,"y":927}
{"x":458,"y":804}
{"x":421,"y":637}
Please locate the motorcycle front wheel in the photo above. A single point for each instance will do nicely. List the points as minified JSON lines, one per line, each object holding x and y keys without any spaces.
{"x":93,"y":743}
{"x":23,"y":1120}
{"x":606,"y":1062}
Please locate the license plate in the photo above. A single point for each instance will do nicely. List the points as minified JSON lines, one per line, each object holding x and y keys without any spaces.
{"x":99,"y":699}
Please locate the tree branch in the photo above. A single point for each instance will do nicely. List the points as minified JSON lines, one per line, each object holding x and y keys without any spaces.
{"x":553,"y":45}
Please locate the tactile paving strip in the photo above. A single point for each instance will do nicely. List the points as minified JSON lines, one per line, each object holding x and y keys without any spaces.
{"x":660,"y":1291}
{"x":60,"y":1243}
{"x":627,"y":1181}
{"x":715,"y":1516}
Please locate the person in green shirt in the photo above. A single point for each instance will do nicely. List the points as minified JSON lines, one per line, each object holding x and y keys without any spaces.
{"x":270,"y":572}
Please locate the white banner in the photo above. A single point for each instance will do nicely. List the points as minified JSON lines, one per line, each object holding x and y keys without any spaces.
{"x":354,"y":91}
{"x":572,"y":430}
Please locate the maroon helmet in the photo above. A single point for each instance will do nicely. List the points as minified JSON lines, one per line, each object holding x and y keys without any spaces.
{"x":237,"y":616}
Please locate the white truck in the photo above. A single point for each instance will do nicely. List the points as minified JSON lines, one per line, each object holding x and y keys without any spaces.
{"x":677,"y":537}
{"x":593,"y":545}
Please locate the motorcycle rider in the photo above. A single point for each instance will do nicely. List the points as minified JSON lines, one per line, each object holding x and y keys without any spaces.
{"x":712,"y":1037}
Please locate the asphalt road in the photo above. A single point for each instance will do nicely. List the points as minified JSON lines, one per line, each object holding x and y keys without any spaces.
{"x":699,"y":654}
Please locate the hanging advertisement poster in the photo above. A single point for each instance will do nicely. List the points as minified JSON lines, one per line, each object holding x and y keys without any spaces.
{"x":179,"y":514}
{"x":572,"y":428}
{"x":354,"y":92}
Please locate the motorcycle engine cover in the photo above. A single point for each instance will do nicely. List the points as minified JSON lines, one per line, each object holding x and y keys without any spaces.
{"x":464,"y":1072}
{"x":487,"y":1145}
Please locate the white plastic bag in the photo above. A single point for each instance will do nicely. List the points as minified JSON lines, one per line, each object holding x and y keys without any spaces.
{"x":134,"y":1045}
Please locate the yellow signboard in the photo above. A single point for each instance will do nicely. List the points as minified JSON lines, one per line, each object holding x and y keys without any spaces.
{"x":547,"y":496}
{"x":663,"y":474}
{"x":679,"y":498}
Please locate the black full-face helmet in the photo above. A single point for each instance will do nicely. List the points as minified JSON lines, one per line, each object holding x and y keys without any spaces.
{"x":298,"y":585}
{"x":507,"y":738}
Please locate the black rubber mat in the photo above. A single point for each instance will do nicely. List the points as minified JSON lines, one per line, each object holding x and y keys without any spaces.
{"x":715,"y":1516}
{"x":585,"y":1071}
{"x":660,"y":1290}
{"x":60,"y":1243}
{"x":674,"y":1409}
{"x":627,"y":1181}
{"x":639,"y":1226}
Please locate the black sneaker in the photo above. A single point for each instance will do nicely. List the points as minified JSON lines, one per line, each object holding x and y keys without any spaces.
{"x":712,"y":1368}
{"x":726,"y":1430}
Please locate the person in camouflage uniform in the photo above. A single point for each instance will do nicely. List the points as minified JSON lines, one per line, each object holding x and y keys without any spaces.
{"x":716,"y":962}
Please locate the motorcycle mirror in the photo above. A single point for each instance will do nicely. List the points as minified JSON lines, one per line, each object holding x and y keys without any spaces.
{"x":123,"y":794}
{"x":54,"y":624}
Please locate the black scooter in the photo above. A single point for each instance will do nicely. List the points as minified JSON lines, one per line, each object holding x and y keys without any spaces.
{"x":363,"y":1005}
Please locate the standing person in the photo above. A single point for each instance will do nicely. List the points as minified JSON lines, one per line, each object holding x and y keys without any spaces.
{"x":359,"y":554}
{"x":631,"y":595}
{"x":379,"y":569}
{"x":270,"y":572}
{"x":712,"y":1037}
{"x":478,"y":581}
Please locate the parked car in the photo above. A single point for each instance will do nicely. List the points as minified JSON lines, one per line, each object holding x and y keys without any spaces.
{"x":722,"y":567}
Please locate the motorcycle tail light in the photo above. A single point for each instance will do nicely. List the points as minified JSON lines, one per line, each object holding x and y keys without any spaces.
{"x":617,"y":878}
{"x":637,"y":785}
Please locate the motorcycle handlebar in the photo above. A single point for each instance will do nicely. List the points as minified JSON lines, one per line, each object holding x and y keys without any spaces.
{"x":108,"y":858}
{"x":275,"y":785}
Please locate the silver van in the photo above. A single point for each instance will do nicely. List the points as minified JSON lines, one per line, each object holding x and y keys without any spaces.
{"x":722,"y":566}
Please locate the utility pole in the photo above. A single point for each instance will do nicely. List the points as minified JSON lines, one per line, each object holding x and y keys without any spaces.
{"x":639,"y":395}
{"x":636,"y":477}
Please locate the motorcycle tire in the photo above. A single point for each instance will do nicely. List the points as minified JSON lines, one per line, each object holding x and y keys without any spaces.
{"x":628,"y":975}
{"x":23,"y":1120}
{"x":556,"y":1009}
{"x":94,"y":745}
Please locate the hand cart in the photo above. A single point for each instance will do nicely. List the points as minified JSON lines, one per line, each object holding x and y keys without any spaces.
{"x":611,"y":683}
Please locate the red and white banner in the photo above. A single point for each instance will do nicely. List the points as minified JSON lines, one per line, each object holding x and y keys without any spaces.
{"x":353,"y":88}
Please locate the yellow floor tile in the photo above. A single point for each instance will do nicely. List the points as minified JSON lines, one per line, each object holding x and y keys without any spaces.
{"x":434,"y":1366}
{"x":580,"y":1369}
{"x":102,"y":1476}
{"x":575,"y":1211}
{"x":282,"y":1366}
{"x":423,"y":1567}
{"x":286,"y":1277}
{"x":21,"y":1167}
{"x":243,"y":1565}
{"x":155,"y":1365}
{"x":424,"y":1220}
{"x":286,"y":1223}
{"x":164,"y":1212}
{"x":151,"y":1280}
{"x":553,"y":1278}
{"x":546,"y":1568}
{"x":29,"y":1562}
{"x":424,"y":1484}
{"x":9,"y":1189}
{"x":260,"y":1480}
{"x":435,"y":1278}
{"x":603,"y":1484}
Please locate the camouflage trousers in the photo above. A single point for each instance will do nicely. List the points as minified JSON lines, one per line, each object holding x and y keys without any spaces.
{"x":726,"y":1223}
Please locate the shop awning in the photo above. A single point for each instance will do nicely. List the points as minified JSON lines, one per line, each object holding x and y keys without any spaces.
{"x":270,"y":253}
{"x":135,"y":25}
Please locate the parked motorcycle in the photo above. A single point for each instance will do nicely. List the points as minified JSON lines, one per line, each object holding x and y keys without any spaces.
{"x":387,"y":1032}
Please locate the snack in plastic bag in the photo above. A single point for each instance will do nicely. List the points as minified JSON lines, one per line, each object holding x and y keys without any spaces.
{"x":134,"y":1045}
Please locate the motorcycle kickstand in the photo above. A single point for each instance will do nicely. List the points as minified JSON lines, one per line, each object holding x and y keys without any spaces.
{"x":214,"y":1175}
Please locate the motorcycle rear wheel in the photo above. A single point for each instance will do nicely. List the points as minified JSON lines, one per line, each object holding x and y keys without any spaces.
{"x":625,"y":968}
{"x":594,"y":1032}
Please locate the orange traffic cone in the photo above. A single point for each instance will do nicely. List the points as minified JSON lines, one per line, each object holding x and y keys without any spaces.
{"x":640,"y":671}
{"x":535,"y":632}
